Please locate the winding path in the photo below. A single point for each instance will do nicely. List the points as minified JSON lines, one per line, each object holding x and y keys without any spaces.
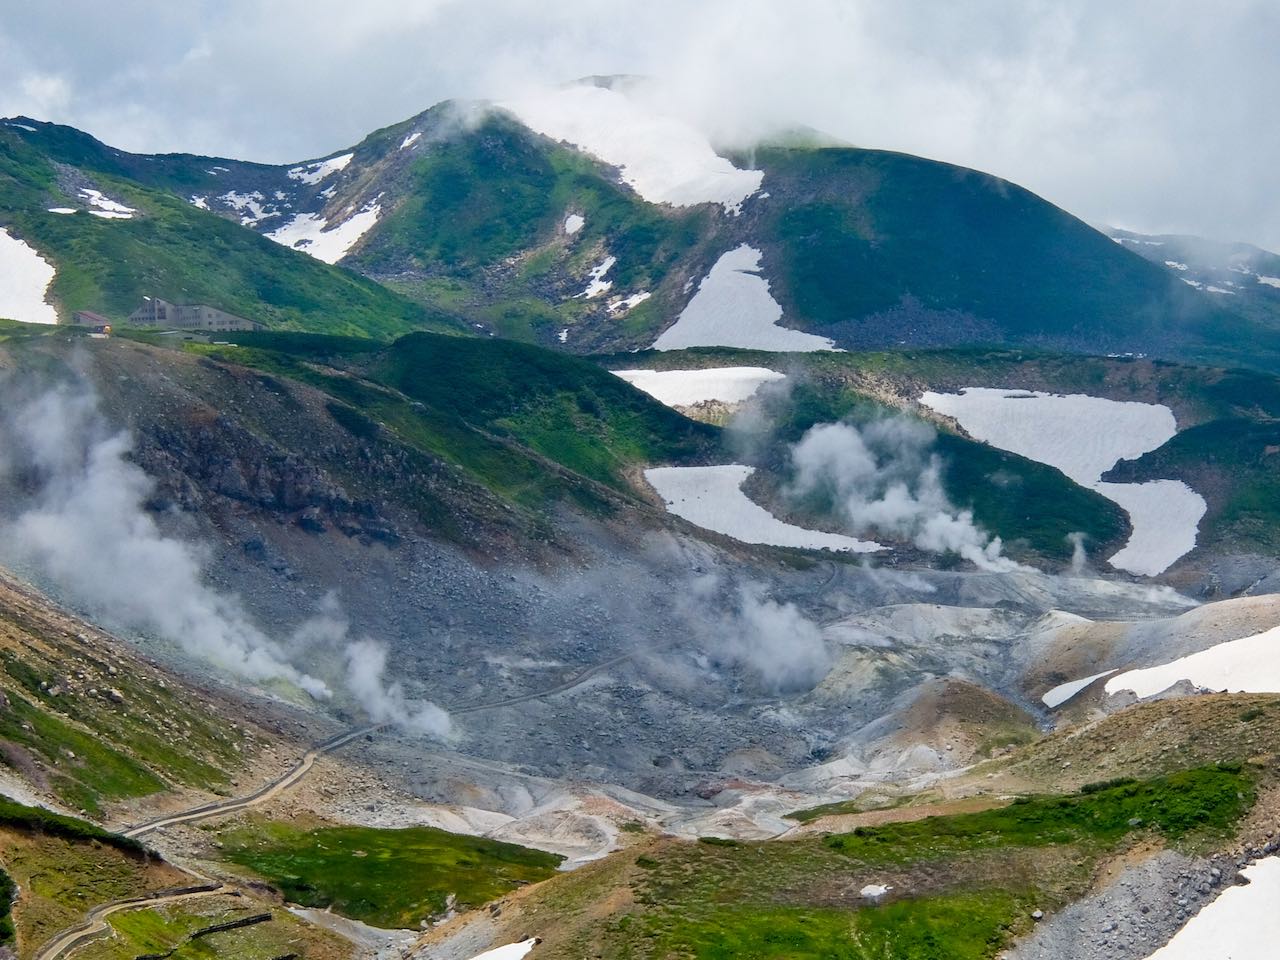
{"x":277,"y":786}
{"x":95,"y":921}
{"x":308,"y":760}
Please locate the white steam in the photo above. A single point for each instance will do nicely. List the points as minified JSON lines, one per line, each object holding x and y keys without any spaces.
{"x":387,"y":703}
{"x":365,"y":664}
{"x":776,"y":643}
{"x":88,"y":532}
{"x":1079,"y":557}
{"x":885,"y":477}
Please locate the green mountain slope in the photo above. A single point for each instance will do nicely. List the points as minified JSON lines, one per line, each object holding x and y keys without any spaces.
{"x":875,"y":249}
{"x":528,"y":424}
{"x":175,"y":251}
{"x":467,"y":214}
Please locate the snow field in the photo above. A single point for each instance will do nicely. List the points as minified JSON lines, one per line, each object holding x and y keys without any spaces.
{"x":684,"y":388}
{"x":512,"y":951}
{"x":573,"y":223}
{"x":663,"y":159}
{"x":248,"y":205}
{"x":597,"y":284}
{"x":1270,"y":281}
{"x":1241,"y":924}
{"x":1065,"y":691}
{"x":105,"y":207}
{"x":310,"y":233}
{"x":1248,"y":665}
{"x":24,"y":281}
{"x":712,"y":498}
{"x":733,"y":308}
{"x":311,"y":173}
{"x":623,"y":304}
{"x":1084,"y":437}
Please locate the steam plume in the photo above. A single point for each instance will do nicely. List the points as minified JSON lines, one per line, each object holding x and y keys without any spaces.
{"x":1079,"y":558}
{"x":88,"y":532}
{"x":885,"y":477}
{"x":741,"y":626}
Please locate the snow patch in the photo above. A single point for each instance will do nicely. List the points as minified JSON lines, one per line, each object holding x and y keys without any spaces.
{"x":1191,"y":283}
{"x":663,"y":159}
{"x":874,"y":891}
{"x":573,"y":223}
{"x":1212,"y":289}
{"x":598,"y":284}
{"x":712,"y":498}
{"x":623,"y":304}
{"x":201,"y":202}
{"x":410,"y":140}
{"x":249,"y":206}
{"x":310,"y":233}
{"x":684,"y":388}
{"x":512,"y":951}
{"x":563,"y":335}
{"x":310,"y":173}
{"x":1270,"y":281}
{"x":1175,"y":264}
{"x":1249,"y":665}
{"x":21,"y":126}
{"x":1065,"y":691}
{"x":63,"y":210}
{"x":1084,"y":437}
{"x":24,"y":280}
{"x":733,"y":308}
{"x":1241,"y":924}
{"x":105,"y":207}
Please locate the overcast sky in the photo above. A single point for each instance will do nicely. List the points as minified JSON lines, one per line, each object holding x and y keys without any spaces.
{"x":1156,"y":116}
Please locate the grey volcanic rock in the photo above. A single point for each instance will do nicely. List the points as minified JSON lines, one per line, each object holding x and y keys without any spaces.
{"x":1138,"y":913}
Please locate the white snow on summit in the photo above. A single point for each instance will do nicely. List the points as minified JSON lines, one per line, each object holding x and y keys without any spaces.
{"x":310,"y":173}
{"x":1084,"y":437}
{"x":24,"y":279}
{"x":663,"y":159}
{"x":712,"y":498}
{"x":1270,"y":281}
{"x":310,"y":233}
{"x":733,"y":308}
{"x":410,"y":140}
